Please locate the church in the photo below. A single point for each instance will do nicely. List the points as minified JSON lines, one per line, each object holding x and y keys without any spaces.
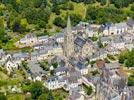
{"x":76,"y":45}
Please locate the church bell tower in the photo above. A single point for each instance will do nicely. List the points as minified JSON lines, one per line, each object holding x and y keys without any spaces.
{"x":68,"y":40}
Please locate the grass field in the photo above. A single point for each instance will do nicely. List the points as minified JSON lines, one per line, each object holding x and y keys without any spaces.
{"x":60,"y":93}
{"x":16,"y":97}
{"x":3,"y":76}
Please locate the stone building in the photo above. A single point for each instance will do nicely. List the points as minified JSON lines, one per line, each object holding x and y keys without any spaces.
{"x":68,"y":41}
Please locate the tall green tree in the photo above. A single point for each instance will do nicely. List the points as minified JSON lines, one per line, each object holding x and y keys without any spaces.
{"x":36,"y":89}
{"x":3,"y":97}
{"x":50,"y":96}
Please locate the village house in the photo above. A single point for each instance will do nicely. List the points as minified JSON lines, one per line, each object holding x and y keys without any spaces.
{"x":100,"y":54}
{"x":43,"y":39}
{"x":28,"y":40}
{"x":54,"y":82}
{"x":85,"y":30}
{"x":114,"y":29}
{"x":105,"y":40}
{"x":118,"y":42}
{"x":130,"y":23}
{"x":35,"y":71}
{"x":11,"y":65}
{"x":111,"y":50}
{"x":79,"y":66}
{"x":128,"y":38}
{"x":61,"y":71}
{"x":2,"y":56}
{"x":60,"y":37}
{"x":20,"y":56}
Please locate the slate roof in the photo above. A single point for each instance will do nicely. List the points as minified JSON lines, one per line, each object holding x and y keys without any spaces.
{"x":20,"y":55}
{"x":80,"y":65}
{"x":118,"y":39}
{"x":130,"y":22}
{"x":43,"y":37}
{"x":35,"y":68}
{"x":103,"y":39}
{"x":53,"y":78}
{"x":98,"y":53}
{"x":112,"y":65}
{"x":61,"y":69}
{"x":79,"y":41}
{"x":113,"y":26}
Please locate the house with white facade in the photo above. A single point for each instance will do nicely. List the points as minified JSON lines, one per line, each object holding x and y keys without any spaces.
{"x":60,"y":37}
{"x":11,"y":65}
{"x":114,"y":29}
{"x":81,"y":67}
{"x":28,"y":40}
{"x":54,"y":82}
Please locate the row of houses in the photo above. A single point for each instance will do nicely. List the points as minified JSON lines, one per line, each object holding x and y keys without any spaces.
{"x":117,"y":28}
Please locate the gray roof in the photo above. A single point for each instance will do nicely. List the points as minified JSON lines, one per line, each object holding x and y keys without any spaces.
{"x":98,"y":53}
{"x":118,"y":39}
{"x":130,"y":22}
{"x":61,"y":69}
{"x":80,"y":65}
{"x":60,"y":34}
{"x":121,"y":25}
{"x":113,"y":65}
{"x":35,"y":68}
{"x":117,"y":25}
{"x":21,"y":55}
{"x":79,"y":41}
{"x":52,"y":78}
{"x":102,"y":39}
{"x":43,"y":37}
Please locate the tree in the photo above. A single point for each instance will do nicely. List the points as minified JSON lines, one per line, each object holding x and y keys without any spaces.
{"x":50,"y":96}
{"x":130,"y":60}
{"x":55,"y":64}
{"x":3,"y":97}
{"x":75,"y":19}
{"x":58,"y":21}
{"x":103,"y":2}
{"x":56,"y":9}
{"x":24,"y":22}
{"x":121,"y":59}
{"x":131,"y":80}
{"x":89,"y":90}
{"x":43,"y":96}
{"x":2,"y":30}
{"x":132,"y":7}
{"x":36,"y":89}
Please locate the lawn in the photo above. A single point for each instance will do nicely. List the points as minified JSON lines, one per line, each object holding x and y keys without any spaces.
{"x":3,"y":76}
{"x":15,"y":97}
{"x":59,"y":94}
{"x":87,"y":90}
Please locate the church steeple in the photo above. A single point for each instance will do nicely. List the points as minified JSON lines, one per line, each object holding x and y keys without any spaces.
{"x":68,"y":40}
{"x":68,"y":25}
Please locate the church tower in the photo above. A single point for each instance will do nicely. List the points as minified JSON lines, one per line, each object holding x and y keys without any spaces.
{"x":68,"y":40}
